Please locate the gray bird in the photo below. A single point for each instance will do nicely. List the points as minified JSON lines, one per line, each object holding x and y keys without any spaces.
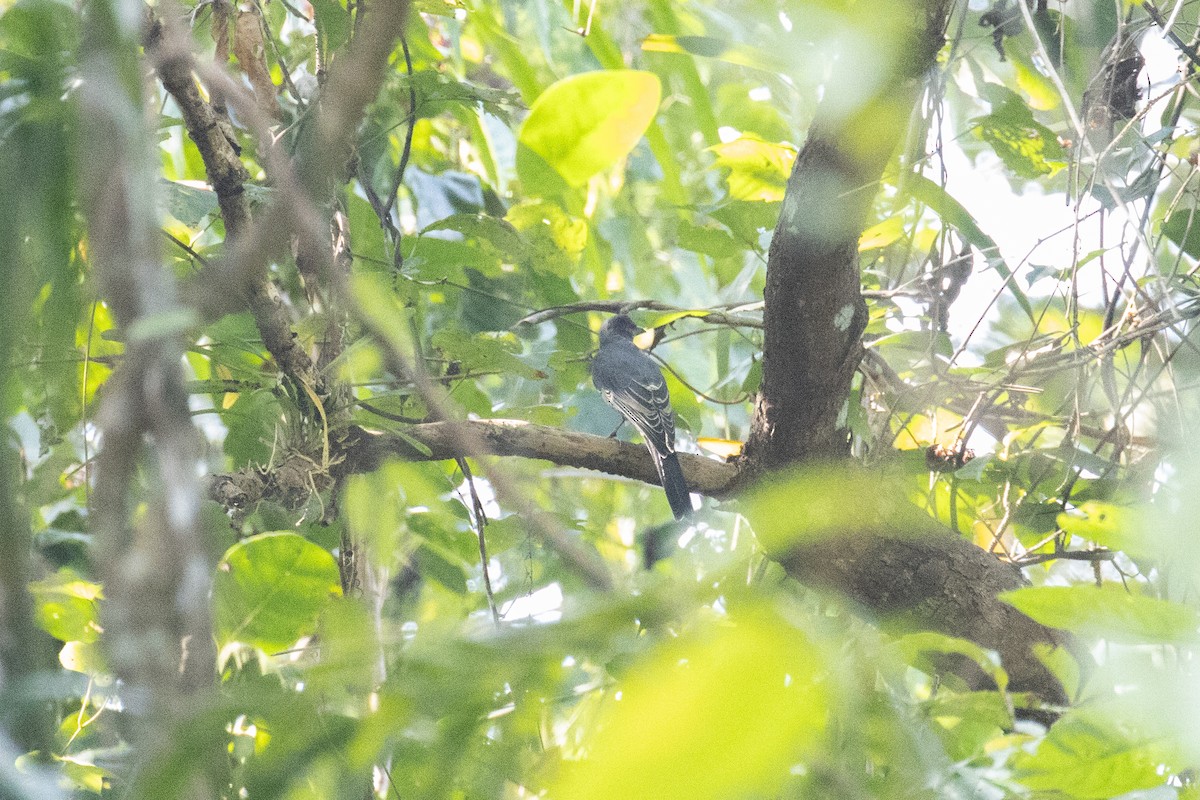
{"x":632,"y":383}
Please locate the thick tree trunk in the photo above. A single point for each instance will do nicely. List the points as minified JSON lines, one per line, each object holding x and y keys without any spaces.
{"x":814,"y":316}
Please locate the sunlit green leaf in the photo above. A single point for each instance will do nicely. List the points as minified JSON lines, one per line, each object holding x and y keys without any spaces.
{"x":253,"y":421}
{"x":333,"y":22}
{"x":711,"y":241}
{"x":826,"y":502}
{"x":1041,"y":91}
{"x":497,"y":233}
{"x":494,"y":353}
{"x":758,"y":170}
{"x":725,"y":711}
{"x":915,"y":647}
{"x":584,"y":124}
{"x":67,"y":606}
{"x":269,"y":590}
{"x":1106,"y":524}
{"x":1085,"y":756}
{"x":968,"y":721}
{"x":881,"y":234}
{"x":1026,"y":147}
{"x":1112,"y":612}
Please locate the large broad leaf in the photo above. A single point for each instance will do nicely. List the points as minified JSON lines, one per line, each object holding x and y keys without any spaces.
{"x":270,"y":589}
{"x":758,"y":170}
{"x":1106,"y":524}
{"x":496,"y":353}
{"x":1086,"y":755}
{"x":1110,"y":612}
{"x":724,"y":711}
{"x":584,"y":124}
{"x":824,"y":503}
{"x":68,"y":606}
{"x":1183,"y":228}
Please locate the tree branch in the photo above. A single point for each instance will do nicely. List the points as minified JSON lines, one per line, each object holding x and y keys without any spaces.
{"x":915,"y":570}
{"x":156,"y":570}
{"x":210,"y":130}
{"x":934,"y":580}
{"x":508,"y":437}
{"x":301,"y":188}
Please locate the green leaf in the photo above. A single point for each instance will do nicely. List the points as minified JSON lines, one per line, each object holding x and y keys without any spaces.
{"x":1183,"y":228}
{"x":1027,"y":147}
{"x":915,"y":346}
{"x":497,"y":233}
{"x":709,"y":240}
{"x":914,"y":647}
{"x":435,"y":258}
{"x":758,"y":170}
{"x":723,"y":711}
{"x":721,"y":49}
{"x":882,"y":233}
{"x":438,"y":564}
{"x":333,"y":23}
{"x":252,"y":421}
{"x":967,"y":722}
{"x":161,"y":325}
{"x":270,"y":589}
{"x":1062,"y":666}
{"x":584,"y":124}
{"x":1086,"y":755}
{"x":67,"y":606}
{"x":827,"y":502}
{"x":191,"y":205}
{"x":1043,"y":95}
{"x":549,"y":231}
{"x":1108,"y":612}
{"x":1108,"y":525}
{"x":483,"y":351}
{"x":954,"y":214}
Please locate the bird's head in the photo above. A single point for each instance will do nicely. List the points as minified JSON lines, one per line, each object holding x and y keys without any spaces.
{"x":619,"y":326}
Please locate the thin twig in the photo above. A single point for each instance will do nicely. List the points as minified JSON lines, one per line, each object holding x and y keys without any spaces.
{"x":481,"y":522}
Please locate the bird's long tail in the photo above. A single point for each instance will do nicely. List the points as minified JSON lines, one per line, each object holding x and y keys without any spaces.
{"x":678,"y":494}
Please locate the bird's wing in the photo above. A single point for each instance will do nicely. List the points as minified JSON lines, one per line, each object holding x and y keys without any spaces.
{"x":646,"y":404}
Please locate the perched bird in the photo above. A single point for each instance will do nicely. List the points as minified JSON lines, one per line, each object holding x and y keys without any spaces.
{"x":632,"y":383}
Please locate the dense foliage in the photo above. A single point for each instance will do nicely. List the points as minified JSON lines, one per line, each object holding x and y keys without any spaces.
{"x":346,"y":253}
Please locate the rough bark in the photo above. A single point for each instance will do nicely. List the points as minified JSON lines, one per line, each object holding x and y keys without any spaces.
{"x":814,"y":314}
{"x":933,"y":580}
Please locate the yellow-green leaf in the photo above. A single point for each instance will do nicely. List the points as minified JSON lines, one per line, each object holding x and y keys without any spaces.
{"x":67,"y":606}
{"x":584,"y":124}
{"x":1110,"y":612}
{"x":270,"y":589}
{"x":724,"y":711}
{"x":1085,"y":755}
{"x":1105,"y":524}
{"x":758,"y":170}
